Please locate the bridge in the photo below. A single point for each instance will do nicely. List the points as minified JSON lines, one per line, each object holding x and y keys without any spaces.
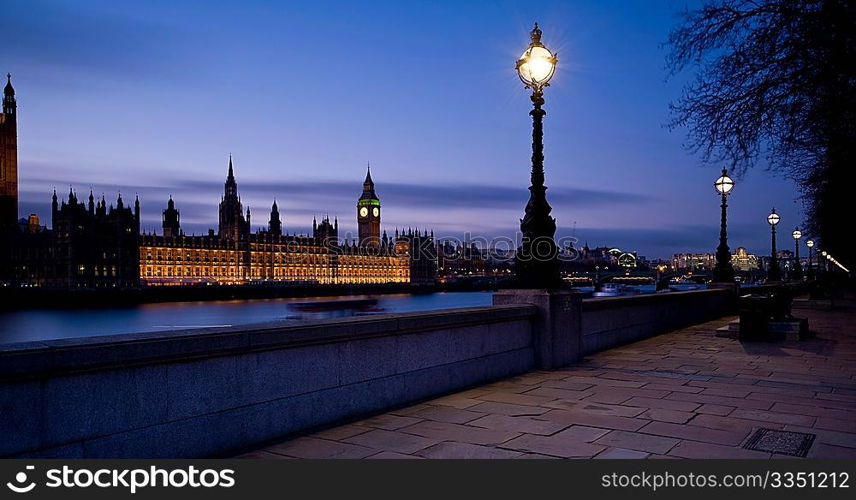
{"x":662,"y":280}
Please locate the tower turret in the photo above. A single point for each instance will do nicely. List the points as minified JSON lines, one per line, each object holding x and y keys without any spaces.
{"x":9,"y":104}
{"x":54,"y":206}
{"x":275,"y":223}
{"x":171,"y":220}
{"x":326,"y":232}
{"x":232,"y":221}
{"x":368,"y":213}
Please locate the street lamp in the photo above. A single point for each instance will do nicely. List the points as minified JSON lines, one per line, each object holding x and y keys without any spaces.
{"x":723,"y":272}
{"x":809,"y":272}
{"x":537,"y":260}
{"x":797,"y":234}
{"x":773,"y":274}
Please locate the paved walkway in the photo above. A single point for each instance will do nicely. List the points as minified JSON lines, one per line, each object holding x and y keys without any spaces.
{"x":683,"y":394}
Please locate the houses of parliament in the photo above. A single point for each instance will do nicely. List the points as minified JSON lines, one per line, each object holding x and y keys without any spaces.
{"x":93,"y":245}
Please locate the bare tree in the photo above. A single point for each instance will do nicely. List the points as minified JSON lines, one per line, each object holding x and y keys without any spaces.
{"x":776,"y":85}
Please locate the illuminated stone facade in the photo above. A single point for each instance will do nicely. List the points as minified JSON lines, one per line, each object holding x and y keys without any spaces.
{"x":265,"y":258}
{"x":742,"y":260}
{"x":234,"y":255}
{"x":693,"y":261}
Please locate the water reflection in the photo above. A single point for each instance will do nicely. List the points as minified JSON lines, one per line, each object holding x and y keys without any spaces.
{"x":44,"y":324}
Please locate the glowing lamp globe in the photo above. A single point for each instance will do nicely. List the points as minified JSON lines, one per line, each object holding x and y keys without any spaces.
{"x":773,"y":218}
{"x":797,"y":234}
{"x":537,"y":64}
{"x":809,"y":243}
{"x":724,"y":184}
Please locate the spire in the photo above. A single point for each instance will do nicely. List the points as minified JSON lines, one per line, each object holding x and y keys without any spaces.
{"x":368,"y":186}
{"x":275,"y":223}
{"x":8,"y":90}
{"x":231,"y":187}
{"x":9,"y":105}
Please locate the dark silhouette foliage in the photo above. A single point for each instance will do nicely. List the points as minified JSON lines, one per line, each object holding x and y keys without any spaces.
{"x":776,"y":85}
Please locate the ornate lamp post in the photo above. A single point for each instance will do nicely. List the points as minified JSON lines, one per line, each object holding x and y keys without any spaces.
{"x":723,"y":272}
{"x":537,"y":258}
{"x":797,"y":234}
{"x":809,"y":272}
{"x":774,"y":274}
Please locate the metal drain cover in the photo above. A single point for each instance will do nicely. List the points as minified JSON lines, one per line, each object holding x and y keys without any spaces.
{"x":795,"y":444}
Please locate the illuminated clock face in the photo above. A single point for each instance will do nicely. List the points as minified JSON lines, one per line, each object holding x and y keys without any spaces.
{"x":364,"y":211}
{"x":376,"y":211}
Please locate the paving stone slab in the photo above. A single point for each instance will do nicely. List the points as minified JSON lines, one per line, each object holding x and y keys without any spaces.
{"x":399,"y":442}
{"x":453,"y":450}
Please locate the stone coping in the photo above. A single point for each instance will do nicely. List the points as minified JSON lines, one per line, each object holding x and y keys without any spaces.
{"x":27,"y":360}
{"x":599,"y":303}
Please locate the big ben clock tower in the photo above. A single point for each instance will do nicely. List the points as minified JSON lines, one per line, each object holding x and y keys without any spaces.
{"x":8,"y":158}
{"x":368,"y":213}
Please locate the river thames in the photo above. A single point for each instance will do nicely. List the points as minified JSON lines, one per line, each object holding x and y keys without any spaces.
{"x":46,"y":324}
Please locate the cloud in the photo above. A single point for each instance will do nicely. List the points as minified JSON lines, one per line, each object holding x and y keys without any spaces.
{"x":451,"y":210}
{"x":420,"y":195}
{"x":197,"y":199}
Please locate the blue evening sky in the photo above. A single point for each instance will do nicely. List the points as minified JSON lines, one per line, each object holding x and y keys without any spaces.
{"x":151,"y":97}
